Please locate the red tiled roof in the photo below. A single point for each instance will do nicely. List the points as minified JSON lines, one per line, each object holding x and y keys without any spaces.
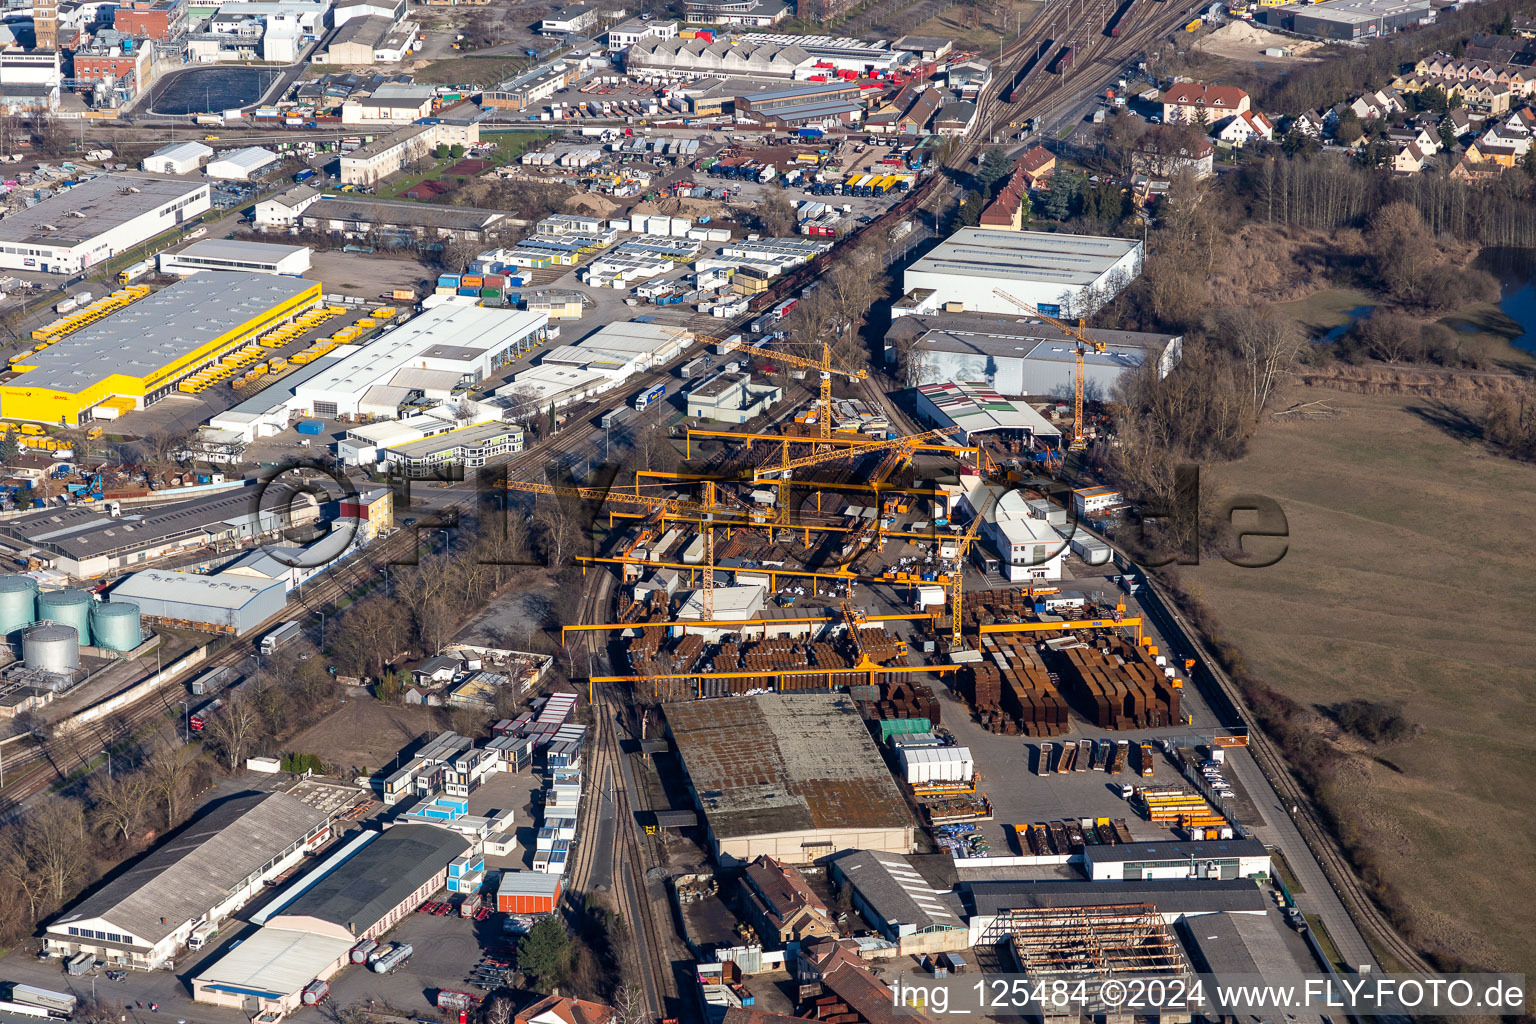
{"x":572,"y":1011}
{"x":1035,"y":159}
{"x":1214,"y":97}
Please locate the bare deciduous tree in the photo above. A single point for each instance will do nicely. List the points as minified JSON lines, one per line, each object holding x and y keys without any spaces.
{"x":170,"y":770}
{"x":119,"y":802}
{"x":235,"y":730}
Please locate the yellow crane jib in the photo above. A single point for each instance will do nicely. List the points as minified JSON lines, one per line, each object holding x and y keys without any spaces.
{"x":957,"y":576}
{"x":707,"y":509}
{"x":1084,"y":342}
{"x":826,"y":369}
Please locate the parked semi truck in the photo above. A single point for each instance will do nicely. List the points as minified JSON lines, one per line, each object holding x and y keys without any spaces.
{"x":47,"y":999}
{"x":279,"y":636}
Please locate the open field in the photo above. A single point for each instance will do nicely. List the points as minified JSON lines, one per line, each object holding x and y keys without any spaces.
{"x":1407,"y":579}
{"x":364,"y":733}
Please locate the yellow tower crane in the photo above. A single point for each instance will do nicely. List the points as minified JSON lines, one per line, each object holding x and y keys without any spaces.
{"x":1079,"y":438}
{"x":957,"y":574}
{"x":826,"y":369}
{"x":706,"y":510}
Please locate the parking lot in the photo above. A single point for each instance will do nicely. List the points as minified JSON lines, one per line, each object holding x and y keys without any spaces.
{"x":447,"y":948}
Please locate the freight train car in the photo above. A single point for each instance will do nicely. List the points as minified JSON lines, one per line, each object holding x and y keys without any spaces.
{"x":1030,"y":66}
{"x":1116,"y":20}
{"x":1063,"y":62}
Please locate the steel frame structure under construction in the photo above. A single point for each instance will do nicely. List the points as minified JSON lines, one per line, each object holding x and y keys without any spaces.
{"x":1075,"y":944}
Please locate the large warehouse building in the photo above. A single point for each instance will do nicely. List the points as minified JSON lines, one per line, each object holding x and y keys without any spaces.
{"x":95,"y":220}
{"x":1017,"y":356}
{"x":1350,"y":19}
{"x":139,"y":354}
{"x":86,"y":541}
{"x":458,"y":342}
{"x":1061,"y":275}
{"x":205,"y":872}
{"x":359,"y":892}
{"x":795,"y":776}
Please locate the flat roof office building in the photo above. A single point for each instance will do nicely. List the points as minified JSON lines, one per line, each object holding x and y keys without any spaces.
{"x":231,"y":254}
{"x":95,"y":220}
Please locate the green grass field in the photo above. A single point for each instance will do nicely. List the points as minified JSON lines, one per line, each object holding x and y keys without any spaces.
{"x":1408,"y":578}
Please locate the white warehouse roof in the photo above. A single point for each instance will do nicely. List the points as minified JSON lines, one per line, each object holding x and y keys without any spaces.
{"x":252,"y":158}
{"x":274,"y":962}
{"x":182,"y":152}
{"x":1068,"y":260}
{"x":453,"y":333}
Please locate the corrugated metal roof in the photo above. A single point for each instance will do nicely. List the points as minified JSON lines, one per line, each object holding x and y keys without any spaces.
{"x":528,"y":883}
{"x":195,"y":870}
{"x":361,"y":890}
{"x":275,"y":962}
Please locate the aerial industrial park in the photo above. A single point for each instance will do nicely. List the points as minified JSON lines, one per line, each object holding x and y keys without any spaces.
{"x":746,"y":511}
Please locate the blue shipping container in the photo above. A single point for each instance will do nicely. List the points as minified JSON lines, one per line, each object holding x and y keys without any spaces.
{"x":448,"y":281}
{"x":470,"y":291}
{"x":310,"y":427}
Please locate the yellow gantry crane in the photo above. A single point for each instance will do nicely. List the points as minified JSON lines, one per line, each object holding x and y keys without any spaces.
{"x":1079,"y":438}
{"x":826,"y":369}
{"x":706,"y":510}
{"x":896,"y":445}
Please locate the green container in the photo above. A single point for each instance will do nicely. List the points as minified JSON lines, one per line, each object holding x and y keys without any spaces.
{"x":490,"y":293}
{"x":900,"y":726}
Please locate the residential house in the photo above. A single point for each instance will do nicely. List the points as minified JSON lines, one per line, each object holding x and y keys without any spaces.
{"x":1461,"y":121}
{"x":1036,"y":167}
{"x":564,"y":1010}
{"x":1309,"y":125}
{"x":1197,"y":103}
{"x":856,"y":994}
{"x":1481,"y":152}
{"x":1501,"y":135}
{"x":777,"y":902}
{"x":1409,"y":159}
{"x":437,"y":670}
{"x":1163,"y":153}
{"x":1485,"y":97}
{"x":954,"y":119}
{"x":1244,"y":128}
{"x":1381,"y":103}
{"x":1470,"y":173}
{"x":1427,"y":141}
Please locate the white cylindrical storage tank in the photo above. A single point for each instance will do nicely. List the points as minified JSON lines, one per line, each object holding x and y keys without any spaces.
{"x":115,"y":625}
{"x":51,"y":647}
{"x":18,"y":602}
{"x":68,"y":608}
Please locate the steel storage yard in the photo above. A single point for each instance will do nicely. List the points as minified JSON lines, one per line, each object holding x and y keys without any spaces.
{"x":795,"y":776}
{"x":142,"y":352}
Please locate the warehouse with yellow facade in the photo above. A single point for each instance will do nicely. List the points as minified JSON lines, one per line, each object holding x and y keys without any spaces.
{"x":137,"y":356}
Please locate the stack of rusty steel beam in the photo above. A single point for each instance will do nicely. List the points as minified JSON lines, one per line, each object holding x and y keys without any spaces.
{"x":1119,"y":686}
{"x":1012,"y":690}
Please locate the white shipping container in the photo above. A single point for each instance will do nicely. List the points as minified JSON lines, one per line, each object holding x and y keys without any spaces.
{"x":928,"y":597}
